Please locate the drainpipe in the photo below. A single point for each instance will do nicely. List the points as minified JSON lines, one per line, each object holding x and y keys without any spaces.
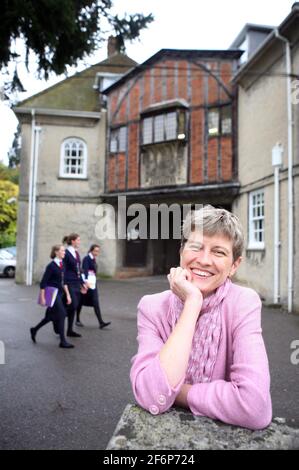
{"x":277,"y":152}
{"x":32,"y":197}
{"x":290,"y":170}
{"x":28,"y":255}
{"x":34,"y":185}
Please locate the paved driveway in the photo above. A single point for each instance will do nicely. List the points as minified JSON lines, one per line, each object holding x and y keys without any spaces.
{"x":72,"y":399}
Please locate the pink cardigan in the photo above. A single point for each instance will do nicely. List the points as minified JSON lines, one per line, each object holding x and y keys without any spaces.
{"x":239,"y":391}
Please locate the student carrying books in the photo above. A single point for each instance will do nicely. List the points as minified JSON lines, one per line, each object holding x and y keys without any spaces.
{"x":91,"y":298}
{"x":51,"y":295}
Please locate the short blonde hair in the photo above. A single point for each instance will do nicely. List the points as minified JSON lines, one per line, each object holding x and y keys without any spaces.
{"x":212,"y":221}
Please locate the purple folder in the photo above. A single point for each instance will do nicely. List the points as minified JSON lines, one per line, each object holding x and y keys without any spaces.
{"x":50,"y":296}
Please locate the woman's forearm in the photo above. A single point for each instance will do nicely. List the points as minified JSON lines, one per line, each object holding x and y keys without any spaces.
{"x":42,"y":296}
{"x":181,"y":398}
{"x":174,"y":355}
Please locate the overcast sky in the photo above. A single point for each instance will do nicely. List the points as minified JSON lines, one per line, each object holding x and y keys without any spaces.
{"x":179,"y":24}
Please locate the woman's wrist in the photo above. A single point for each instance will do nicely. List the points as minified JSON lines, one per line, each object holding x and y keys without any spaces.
{"x":182,"y":396}
{"x":192,"y":307}
{"x":194,"y":301}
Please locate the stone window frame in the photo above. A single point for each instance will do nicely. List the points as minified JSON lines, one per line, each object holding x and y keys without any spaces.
{"x":81,"y":145}
{"x":256,"y":220}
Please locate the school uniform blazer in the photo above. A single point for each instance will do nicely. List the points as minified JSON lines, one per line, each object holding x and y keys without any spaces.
{"x":71,"y":272}
{"x":88,"y":264}
{"x":53,"y":276}
{"x":239,"y":390}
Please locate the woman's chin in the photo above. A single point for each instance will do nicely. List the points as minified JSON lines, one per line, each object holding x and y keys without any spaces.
{"x":202,"y":285}
{"x":205,"y":286}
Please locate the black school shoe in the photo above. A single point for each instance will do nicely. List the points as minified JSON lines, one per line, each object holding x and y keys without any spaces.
{"x":73,"y":334}
{"x":102,"y":325}
{"x":66,"y":345}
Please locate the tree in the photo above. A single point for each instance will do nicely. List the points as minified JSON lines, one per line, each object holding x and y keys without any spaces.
{"x":9,"y":174}
{"x":61,"y":32}
{"x":8,"y":213}
{"x":14,"y":154}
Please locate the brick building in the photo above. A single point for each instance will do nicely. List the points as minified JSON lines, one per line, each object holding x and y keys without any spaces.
{"x":63,"y":163}
{"x":171,"y":139}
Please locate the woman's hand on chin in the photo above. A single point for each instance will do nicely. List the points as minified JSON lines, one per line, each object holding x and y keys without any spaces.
{"x":180,"y":283}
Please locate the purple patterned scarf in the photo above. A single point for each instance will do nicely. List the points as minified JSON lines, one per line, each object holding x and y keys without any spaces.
{"x":207,"y":334}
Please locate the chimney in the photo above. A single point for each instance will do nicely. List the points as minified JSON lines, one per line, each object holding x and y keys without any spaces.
{"x":112,"y":47}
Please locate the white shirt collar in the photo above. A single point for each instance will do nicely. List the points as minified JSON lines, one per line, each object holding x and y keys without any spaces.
{"x":72,"y":250}
{"x":57,"y":261}
{"x":91,"y":255}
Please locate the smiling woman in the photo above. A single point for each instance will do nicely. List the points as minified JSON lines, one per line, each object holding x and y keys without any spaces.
{"x":211,"y":247}
{"x":200,"y":343}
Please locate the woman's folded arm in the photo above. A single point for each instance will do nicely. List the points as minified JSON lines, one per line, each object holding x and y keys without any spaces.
{"x":150,"y":385}
{"x":245,"y":399}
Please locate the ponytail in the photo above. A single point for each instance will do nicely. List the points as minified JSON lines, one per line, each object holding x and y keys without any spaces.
{"x":69,"y":238}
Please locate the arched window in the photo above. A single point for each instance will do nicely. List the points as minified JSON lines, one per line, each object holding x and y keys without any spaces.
{"x":73,"y":158}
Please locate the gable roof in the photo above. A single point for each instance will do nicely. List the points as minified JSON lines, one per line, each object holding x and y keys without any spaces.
{"x":249,"y":27}
{"x":175,"y":54}
{"x":77,"y":93}
{"x":290,"y":21}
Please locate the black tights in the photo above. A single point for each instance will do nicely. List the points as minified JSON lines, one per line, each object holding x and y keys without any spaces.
{"x":57,"y":315}
{"x":96,"y":307}
{"x":73,"y":307}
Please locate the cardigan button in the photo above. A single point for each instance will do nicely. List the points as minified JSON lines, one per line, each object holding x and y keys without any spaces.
{"x":161,"y":400}
{"x":154,"y":410}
